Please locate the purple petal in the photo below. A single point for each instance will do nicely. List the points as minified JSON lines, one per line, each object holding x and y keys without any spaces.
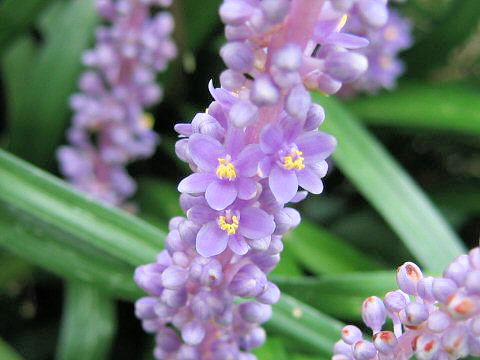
{"x":238,"y":244}
{"x":271,"y":139}
{"x":265,"y":166}
{"x":221,"y":193}
{"x":211,"y":240}
{"x":347,"y":41}
{"x":205,"y":151}
{"x":255,"y":223}
{"x":310,"y":181}
{"x":195,"y":183}
{"x":316,"y":146}
{"x":234,"y":141}
{"x":200,"y":214}
{"x":283,"y":183}
{"x":247,"y":188}
{"x":247,"y":161}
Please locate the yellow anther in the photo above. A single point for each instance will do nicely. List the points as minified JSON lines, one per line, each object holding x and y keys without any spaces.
{"x":226,"y":170}
{"x":291,"y":164}
{"x":229,"y":228}
{"x":342,"y":23}
{"x":147,"y":121}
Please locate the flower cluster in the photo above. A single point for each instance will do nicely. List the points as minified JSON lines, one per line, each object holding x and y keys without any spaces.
{"x":386,"y":42}
{"x":109,"y":127}
{"x":433,"y":318}
{"x":250,"y":152}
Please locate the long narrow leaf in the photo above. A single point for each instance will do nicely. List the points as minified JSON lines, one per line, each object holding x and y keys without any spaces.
{"x":88,"y":323}
{"x":432,"y":107}
{"x":7,"y":353}
{"x":390,"y":190}
{"x":56,"y":208}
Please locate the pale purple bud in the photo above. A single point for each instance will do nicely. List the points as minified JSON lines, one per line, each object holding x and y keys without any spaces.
{"x":341,"y":347}
{"x":443,"y":288}
{"x":475,"y":325}
{"x":462,"y":307}
{"x":414,"y":314}
{"x":327,"y":84}
{"x":276,"y":245}
{"x":238,"y":33}
{"x":174,"y":241}
{"x":424,"y":289}
{"x":385,"y":341}
{"x":253,"y":339}
{"x":181,"y":150}
{"x":298,"y":102}
{"x":231,"y":80}
{"x":457,"y":272}
{"x":345,"y":66}
{"x":249,"y":281}
{"x":374,"y":12}
{"x":211,"y":274}
{"x":364,"y":350}
{"x":395,"y":301}
{"x":474,"y":258}
{"x":285,"y":219}
{"x":199,"y":307}
{"x":144,"y":308}
{"x":427,"y":346}
{"x":270,"y":295}
{"x":315,"y":117}
{"x":175,"y":222}
{"x":193,"y":333}
{"x":275,"y":10}
{"x":149,"y":278}
{"x":266,"y":262}
{"x":237,"y":56}
{"x":188,"y":232}
{"x":264,"y":92}
{"x":288,"y":58}
{"x":261,"y":244}
{"x":174,"y":277}
{"x":175,"y":298}
{"x":438,"y":321}
{"x":243,"y":113}
{"x":181,"y":259}
{"x":187,"y":352}
{"x":351,"y":334}
{"x":254,"y":312}
{"x":235,"y":12}
{"x":408,"y":275}
{"x":342,"y":5}
{"x":373,"y":313}
{"x":455,"y":341}
{"x":472,"y":282}
{"x":163,"y":310}
{"x":151,"y":325}
{"x":167,"y":340}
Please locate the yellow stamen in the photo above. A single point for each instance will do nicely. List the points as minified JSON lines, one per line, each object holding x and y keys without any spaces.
{"x":230,"y":229}
{"x":296,"y":164}
{"x":226,"y":170}
{"x":147,"y":121}
{"x":342,"y":23}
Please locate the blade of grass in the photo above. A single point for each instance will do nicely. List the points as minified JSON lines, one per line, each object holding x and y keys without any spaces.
{"x":434,"y":107}
{"x":88,"y":323}
{"x":7,"y":352}
{"x":390,"y":190}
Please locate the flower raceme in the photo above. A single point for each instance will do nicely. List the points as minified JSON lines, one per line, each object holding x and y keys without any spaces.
{"x":433,"y":318}
{"x":110,"y":127}
{"x":255,"y":149}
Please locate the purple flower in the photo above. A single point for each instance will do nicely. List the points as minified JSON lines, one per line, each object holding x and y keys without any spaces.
{"x":293,"y":159}
{"x":224,"y":171}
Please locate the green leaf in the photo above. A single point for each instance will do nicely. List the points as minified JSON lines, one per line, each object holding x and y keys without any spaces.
{"x":317,"y":249}
{"x":88,"y":324}
{"x":273,"y":349}
{"x":7,"y":353}
{"x":433,"y":107}
{"x":159,"y":198}
{"x":14,"y":270}
{"x":390,"y":190}
{"x":57,"y":209}
{"x":40,"y":80}
{"x":16,"y":19}
{"x":309,"y":327}
{"x":342,"y":295}
{"x":198,"y":27}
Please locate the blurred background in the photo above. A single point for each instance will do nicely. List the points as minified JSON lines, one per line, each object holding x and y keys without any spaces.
{"x":430,"y":124}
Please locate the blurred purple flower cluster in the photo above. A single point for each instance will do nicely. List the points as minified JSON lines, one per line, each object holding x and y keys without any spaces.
{"x":433,"y":318}
{"x":110,"y":127}
{"x":387,"y":38}
{"x":250,"y":151}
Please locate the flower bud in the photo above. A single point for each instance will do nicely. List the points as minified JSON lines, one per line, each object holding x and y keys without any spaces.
{"x":270,"y":295}
{"x":462,"y":307}
{"x":149,"y":278}
{"x":174,"y":277}
{"x":193,"y":333}
{"x":238,"y":56}
{"x":275,"y":10}
{"x":298,"y":102}
{"x":364,"y":350}
{"x":456,"y":272}
{"x":351,"y":334}
{"x":424,"y":289}
{"x":167,"y":340}
{"x":315,"y":117}
{"x":243,"y":113}
{"x":474,"y":258}
{"x":472,"y":282}
{"x":174,"y":298}
{"x":408,"y":275}
{"x":443,"y":289}
{"x":231,"y":80}
{"x":427,"y":346}
{"x":235,"y":12}
{"x":455,"y":342}
{"x":264,"y":92}
{"x":144,"y":308}
{"x":395,"y":301}
{"x":345,"y":66}
{"x":253,"y":339}
{"x":373,"y":313}
{"x":249,"y":281}
{"x":254,"y":312}
{"x":438,"y":321}
{"x":414,"y":314}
